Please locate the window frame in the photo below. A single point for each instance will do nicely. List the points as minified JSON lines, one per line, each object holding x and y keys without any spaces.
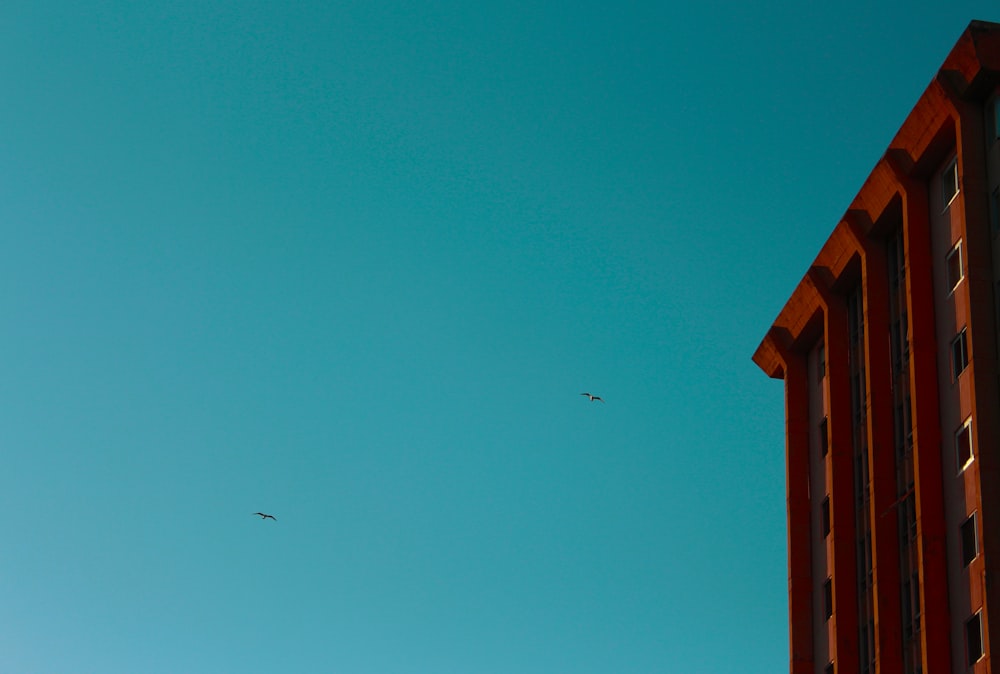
{"x":994,"y":120}
{"x":995,"y":211}
{"x":828,"y":598}
{"x":960,"y":339}
{"x":977,"y":620}
{"x":957,"y":249}
{"x":949,"y":183}
{"x":965,"y":430}
{"x":969,"y":525}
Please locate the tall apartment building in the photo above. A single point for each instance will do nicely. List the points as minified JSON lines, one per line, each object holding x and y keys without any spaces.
{"x":888,"y":348}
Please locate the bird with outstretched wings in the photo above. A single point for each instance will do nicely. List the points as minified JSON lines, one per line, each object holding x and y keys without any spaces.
{"x":265,"y":516}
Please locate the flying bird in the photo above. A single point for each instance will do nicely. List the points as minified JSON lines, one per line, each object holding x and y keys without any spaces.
{"x":593,"y":397}
{"x":265,"y":516}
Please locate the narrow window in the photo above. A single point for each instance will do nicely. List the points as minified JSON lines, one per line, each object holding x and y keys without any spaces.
{"x":996,"y":119}
{"x":963,"y":445}
{"x":974,"y":638}
{"x":829,"y":668}
{"x":821,"y":362}
{"x":970,"y":540}
{"x":910,"y":596}
{"x":907,"y":610}
{"x":828,"y":598}
{"x":824,"y":437}
{"x":911,"y":514}
{"x":826,"y":516}
{"x":959,"y":355}
{"x":995,"y":211}
{"x":956,"y":271}
{"x":949,"y":183}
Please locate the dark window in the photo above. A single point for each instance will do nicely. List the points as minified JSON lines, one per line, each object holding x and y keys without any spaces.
{"x":828,"y":598}
{"x":911,"y":515}
{"x":824,"y":437}
{"x":996,"y":293}
{"x":829,"y":668}
{"x":821,"y":362}
{"x":911,"y":605}
{"x":826,"y":517}
{"x":970,"y":540}
{"x":959,"y":354}
{"x":907,"y":599}
{"x":956,"y":271}
{"x":974,"y":638}
{"x":963,"y":445}
{"x":995,"y":210}
{"x":949,"y":183}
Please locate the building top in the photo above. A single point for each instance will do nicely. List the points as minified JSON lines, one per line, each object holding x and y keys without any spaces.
{"x":970,"y":73}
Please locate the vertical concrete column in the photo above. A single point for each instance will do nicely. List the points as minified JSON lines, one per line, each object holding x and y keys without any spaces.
{"x":843,"y":531}
{"x":881,"y":455}
{"x":800,"y":582}
{"x":935,"y":633}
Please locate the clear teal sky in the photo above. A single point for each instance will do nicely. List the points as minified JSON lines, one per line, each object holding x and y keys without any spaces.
{"x":353,"y":263}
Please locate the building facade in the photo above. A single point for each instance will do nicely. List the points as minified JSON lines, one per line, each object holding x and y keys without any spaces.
{"x":888,"y":349}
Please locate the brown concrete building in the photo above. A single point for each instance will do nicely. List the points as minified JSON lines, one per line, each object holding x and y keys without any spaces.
{"x":888,"y":349}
